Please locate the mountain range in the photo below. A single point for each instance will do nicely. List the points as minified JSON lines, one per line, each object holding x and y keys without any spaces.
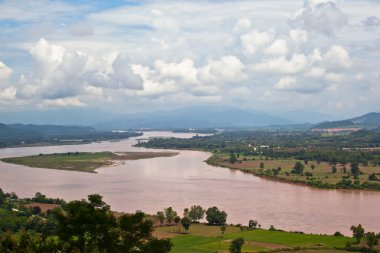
{"x":190,"y":117}
{"x":368,"y":121}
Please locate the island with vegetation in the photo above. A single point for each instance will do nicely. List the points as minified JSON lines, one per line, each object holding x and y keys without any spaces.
{"x":43,"y":224}
{"x":82,"y":161}
{"x":332,"y":161}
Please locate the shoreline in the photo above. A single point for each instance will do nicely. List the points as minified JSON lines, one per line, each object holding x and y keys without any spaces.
{"x":283,"y":180}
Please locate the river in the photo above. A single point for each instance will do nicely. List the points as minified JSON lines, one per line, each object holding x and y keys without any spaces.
{"x":184,"y":180}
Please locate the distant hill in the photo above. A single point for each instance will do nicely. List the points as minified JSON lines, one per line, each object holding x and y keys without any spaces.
{"x":50,"y":130}
{"x":367,"y":121}
{"x":19,"y":134}
{"x":16,"y":134}
{"x":195,"y":117}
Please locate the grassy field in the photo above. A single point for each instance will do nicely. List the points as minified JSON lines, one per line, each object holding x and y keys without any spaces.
{"x":321,"y":176}
{"x":203,"y":239}
{"x":85,"y":162}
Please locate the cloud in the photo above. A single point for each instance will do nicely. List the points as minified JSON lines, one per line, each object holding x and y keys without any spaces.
{"x":123,"y":75}
{"x":278,"y":47}
{"x":255,"y":40}
{"x":321,"y":16}
{"x":62,"y":102}
{"x":5,"y":71}
{"x":60,"y":73}
{"x":295,"y":64}
{"x":81,"y":30}
{"x":371,"y":22}
{"x":337,"y":58}
{"x":286,"y":83}
{"x":161,"y":53}
{"x":229,"y":69}
{"x":298,"y":36}
{"x":8,"y":94}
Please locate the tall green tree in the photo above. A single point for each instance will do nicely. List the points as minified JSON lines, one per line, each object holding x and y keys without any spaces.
{"x":371,"y":240}
{"x":358,"y":232}
{"x":298,"y":168}
{"x":233,"y":158}
{"x":186,"y":222}
{"x":170,"y":214}
{"x":214,"y":216}
{"x":86,"y":225}
{"x":196,"y":213}
{"x":161,"y":217}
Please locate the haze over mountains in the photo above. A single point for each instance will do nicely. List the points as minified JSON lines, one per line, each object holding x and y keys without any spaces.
{"x":192,"y":117}
{"x":196,"y":117}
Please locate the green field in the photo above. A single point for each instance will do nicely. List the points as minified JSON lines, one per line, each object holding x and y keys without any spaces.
{"x":203,"y":238}
{"x":321,"y":176}
{"x":81,"y":161}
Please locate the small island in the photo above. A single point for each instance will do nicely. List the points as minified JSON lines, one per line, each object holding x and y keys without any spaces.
{"x":82,"y":161}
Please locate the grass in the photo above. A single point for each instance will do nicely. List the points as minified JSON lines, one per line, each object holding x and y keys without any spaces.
{"x":81,"y":161}
{"x":322,"y":175}
{"x":203,"y":238}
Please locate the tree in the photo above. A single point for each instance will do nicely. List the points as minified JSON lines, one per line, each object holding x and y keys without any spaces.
{"x":358,"y":232}
{"x":36,"y":210}
{"x":161,"y":217}
{"x":90,"y":226}
{"x":312,"y":166}
{"x":8,"y":243}
{"x":371,"y":239}
{"x":86,"y":225}
{"x":186,"y":212}
{"x":134,"y":234}
{"x":236,"y":245}
{"x":214,"y":216}
{"x":262,"y":165}
{"x":170,"y":214}
{"x":355,"y":169}
{"x":177,"y":219}
{"x":333,"y":169}
{"x":223,"y":229}
{"x":252,"y":224}
{"x":298,"y":168}
{"x":233,"y":158}
{"x":25,"y":242}
{"x":196,"y":213}
{"x":186,"y":222}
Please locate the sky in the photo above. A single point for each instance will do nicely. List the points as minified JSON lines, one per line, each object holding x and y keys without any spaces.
{"x":132,"y":56}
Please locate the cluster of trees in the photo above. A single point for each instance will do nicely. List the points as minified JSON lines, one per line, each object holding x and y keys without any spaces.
{"x":358,"y":233}
{"x":80,"y":226}
{"x":194,"y":214}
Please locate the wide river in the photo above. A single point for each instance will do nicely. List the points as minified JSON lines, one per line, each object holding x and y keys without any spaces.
{"x":184,"y":180}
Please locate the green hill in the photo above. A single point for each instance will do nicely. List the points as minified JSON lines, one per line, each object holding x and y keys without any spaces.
{"x":367,"y":121}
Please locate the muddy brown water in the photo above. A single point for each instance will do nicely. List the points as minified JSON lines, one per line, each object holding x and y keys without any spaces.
{"x":184,"y":180}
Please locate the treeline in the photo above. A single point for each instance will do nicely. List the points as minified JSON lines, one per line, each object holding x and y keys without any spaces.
{"x":244,"y":140}
{"x":77,"y":226}
{"x":303,"y":145}
{"x":19,"y":134}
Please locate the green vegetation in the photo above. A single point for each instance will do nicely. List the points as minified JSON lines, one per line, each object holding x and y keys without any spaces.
{"x":81,"y":161}
{"x":202,"y":238}
{"x":77,"y":226}
{"x":343,"y":161}
{"x":26,"y":135}
{"x":314,"y":173}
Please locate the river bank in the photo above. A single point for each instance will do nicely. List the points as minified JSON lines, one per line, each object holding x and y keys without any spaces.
{"x":317,"y":175}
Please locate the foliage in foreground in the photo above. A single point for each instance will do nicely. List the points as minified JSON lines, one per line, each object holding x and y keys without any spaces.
{"x":82,"y":226}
